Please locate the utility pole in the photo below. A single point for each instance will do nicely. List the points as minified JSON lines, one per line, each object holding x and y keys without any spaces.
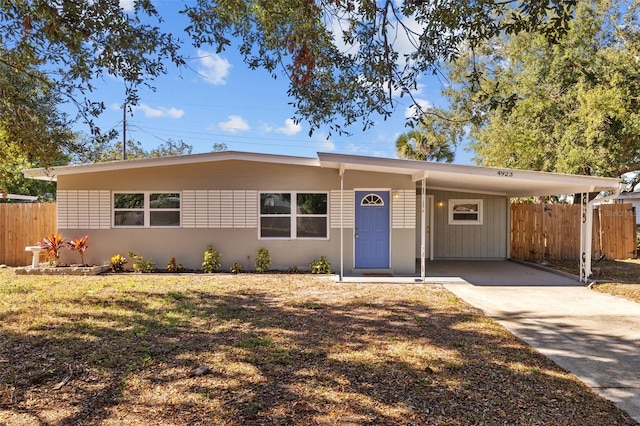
{"x":124,"y":131}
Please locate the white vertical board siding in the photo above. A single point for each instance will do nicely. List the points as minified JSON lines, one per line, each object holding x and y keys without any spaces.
{"x":84,"y":209}
{"x":403,"y":209}
{"x":486,"y":241}
{"x":335,"y":205}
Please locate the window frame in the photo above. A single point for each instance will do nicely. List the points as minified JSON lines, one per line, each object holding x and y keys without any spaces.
{"x":293,"y":216}
{"x":479,"y":212}
{"x":146,"y":210}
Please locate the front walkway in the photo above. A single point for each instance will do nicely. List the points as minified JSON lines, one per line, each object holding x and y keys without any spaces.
{"x":595,"y":336}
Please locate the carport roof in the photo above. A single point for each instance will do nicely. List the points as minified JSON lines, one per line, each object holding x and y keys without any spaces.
{"x":486,"y":180}
{"x":454,"y":177}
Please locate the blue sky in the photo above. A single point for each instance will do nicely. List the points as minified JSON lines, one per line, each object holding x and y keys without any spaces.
{"x":218,"y":99}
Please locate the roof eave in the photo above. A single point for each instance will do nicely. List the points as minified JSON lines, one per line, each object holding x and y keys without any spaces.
{"x":53,"y":172}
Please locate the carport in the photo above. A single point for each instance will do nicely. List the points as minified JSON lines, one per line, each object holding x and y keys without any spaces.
{"x":507,"y":183}
{"x":497,"y":273}
{"x":484,"y":273}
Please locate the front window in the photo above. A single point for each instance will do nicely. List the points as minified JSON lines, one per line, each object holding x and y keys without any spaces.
{"x":465,"y":212}
{"x":311,"y":216}
{"x":293,"y":215}
{"x":164,"y":209}
{"x":146,"y":209}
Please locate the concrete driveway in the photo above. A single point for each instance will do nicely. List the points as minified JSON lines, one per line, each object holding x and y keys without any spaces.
{"x":594,"y":336}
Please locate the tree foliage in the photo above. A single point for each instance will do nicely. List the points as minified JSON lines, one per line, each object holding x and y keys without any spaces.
{"x":570,"y":107}
{"x":345,"y":60}
{"x":52,"y":52}
{"x":349,"y":59}
{"x":431,"y":142}
{"x":101,"y":151}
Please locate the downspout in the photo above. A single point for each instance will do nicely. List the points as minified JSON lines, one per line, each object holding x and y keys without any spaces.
{"x":508,"y":227}
{"x":342,"y":170}
{"x":423,"y":226}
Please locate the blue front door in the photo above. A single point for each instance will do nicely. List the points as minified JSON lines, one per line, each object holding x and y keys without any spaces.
{"x":372,"y":229}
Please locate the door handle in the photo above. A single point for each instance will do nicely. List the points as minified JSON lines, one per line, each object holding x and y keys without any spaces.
{"x":357,"y":235}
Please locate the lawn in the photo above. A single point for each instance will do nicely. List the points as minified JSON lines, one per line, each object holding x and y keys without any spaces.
{"x":617,"y":277}
{"x":268,"y":350}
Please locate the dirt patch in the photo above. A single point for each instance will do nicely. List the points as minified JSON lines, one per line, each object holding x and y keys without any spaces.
{"x":269,"y":350}
{"x":617,"y":277}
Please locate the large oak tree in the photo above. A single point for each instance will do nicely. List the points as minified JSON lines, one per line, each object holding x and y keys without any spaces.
{"x":571,"y":107}
{"x":346,"y":61}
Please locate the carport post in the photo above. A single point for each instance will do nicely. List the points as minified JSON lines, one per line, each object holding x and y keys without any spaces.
{"x":586,"y":234}
{"x":586,"y":230}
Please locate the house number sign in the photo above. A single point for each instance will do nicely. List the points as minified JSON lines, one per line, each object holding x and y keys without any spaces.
{"x":505,"y":173}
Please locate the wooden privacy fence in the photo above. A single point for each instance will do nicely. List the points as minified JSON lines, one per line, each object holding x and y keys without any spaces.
{"x":552,"y":231}
{"x":24,"y":225}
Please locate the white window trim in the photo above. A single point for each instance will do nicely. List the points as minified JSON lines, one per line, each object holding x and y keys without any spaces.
{"x":453,"y":202}
{"x":293,"y":215}
{"x":146,"y":210}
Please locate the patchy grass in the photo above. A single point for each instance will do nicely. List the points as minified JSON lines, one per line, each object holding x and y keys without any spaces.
{"x":268,"y":350}
{"x":616,"y":277}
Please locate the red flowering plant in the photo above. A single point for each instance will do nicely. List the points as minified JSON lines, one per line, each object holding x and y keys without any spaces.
{"x":79,"y":245}
{"x":53,"y":244}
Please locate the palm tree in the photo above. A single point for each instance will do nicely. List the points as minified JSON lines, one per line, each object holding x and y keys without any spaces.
{"x":420,"y":145}
{"x":434,"y":140}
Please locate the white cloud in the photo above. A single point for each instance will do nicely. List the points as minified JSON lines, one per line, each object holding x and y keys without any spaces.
{"x":159,"y":112}
{"x":290,"y":128}
{"x":412,"y":110}
{"x":150,"y":112}
{"x":235,"y":123}
{"x":265,"y":128}
{"x":126,"y":5}
{"x":327,"y":144}
{"x":353,"y":148}
{"x":213,"y":68}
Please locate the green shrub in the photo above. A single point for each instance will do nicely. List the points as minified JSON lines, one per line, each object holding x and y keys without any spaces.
{"x":320,"y":266}
{"x":211,"y":261}
{"x":173,"y":266}
{"x":236,"y":268}
{"x":263,"y":260}
{"x":117,"y":263}
{"x":140,"y":264}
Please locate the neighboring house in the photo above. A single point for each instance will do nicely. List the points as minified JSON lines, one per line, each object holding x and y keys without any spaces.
{"x":632,"y":198}
{"x":364,"y":214}
{"x":18,"y":198}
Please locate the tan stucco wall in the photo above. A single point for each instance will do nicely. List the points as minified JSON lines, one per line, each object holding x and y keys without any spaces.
{"x":236,"y":245}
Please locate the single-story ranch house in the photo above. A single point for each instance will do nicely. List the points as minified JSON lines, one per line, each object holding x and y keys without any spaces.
{"x":364,"y":214}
